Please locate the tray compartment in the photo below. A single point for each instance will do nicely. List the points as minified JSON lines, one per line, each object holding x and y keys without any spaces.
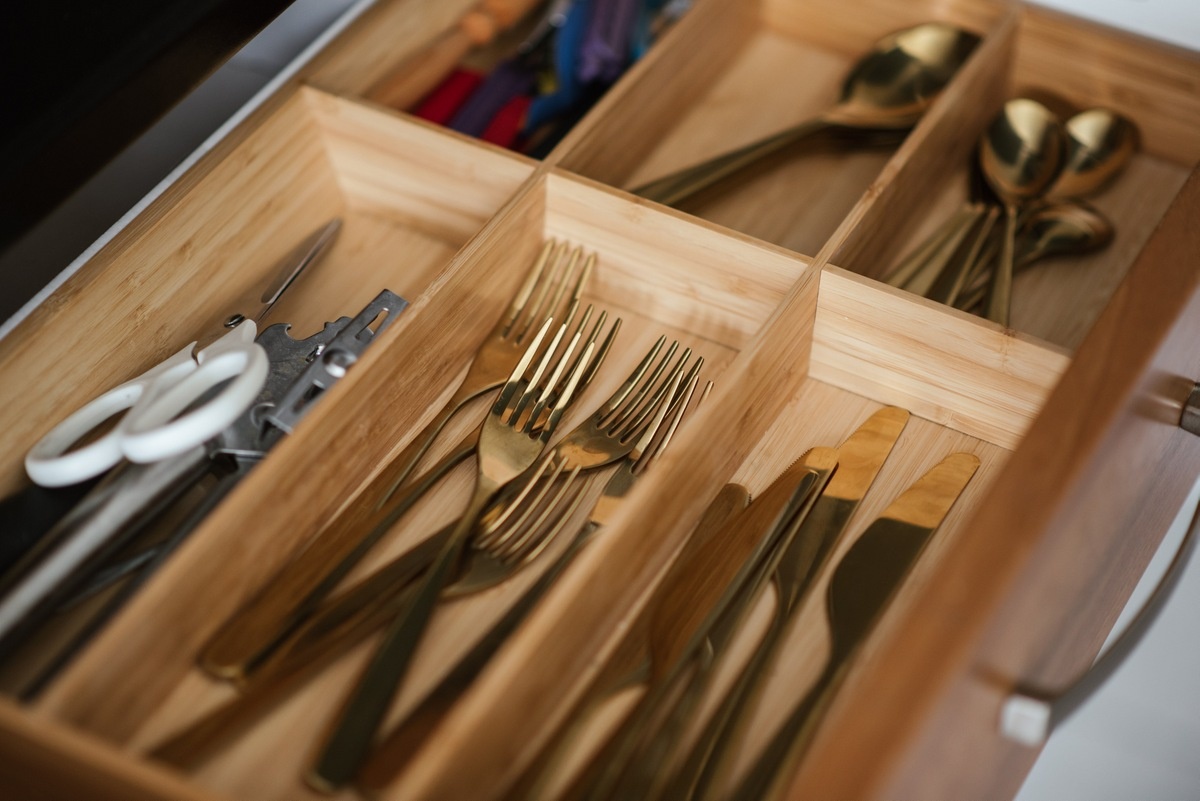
{"x":173,"y":274}
{"x":1070,"y":526}
{"x":1059,"y":300}
{"x":766,"y":66}
{"x":660,"y":273}
{"x":745,"y":434}
{"x":806,"y":357}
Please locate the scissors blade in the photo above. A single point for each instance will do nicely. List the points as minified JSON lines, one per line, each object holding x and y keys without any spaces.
{"x":127,"y":577}
{"x":257,"y":300}
{"x":297,"y":261}
{"x":35,"y":590}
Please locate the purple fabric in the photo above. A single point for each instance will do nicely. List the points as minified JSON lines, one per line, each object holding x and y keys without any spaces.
{"x":607,"y":40}
{"x":507,"y":81}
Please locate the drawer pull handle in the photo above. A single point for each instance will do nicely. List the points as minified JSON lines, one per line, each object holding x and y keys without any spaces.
{"x":1028,"y":715}
{"x":1189,"y":420}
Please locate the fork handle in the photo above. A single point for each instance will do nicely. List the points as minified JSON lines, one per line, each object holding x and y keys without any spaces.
{"x":328,"y":634}
{"x":353,"y":732}
{"x":399,"y":468}
{"x":258,"y":629}
{"x":390,"y":759}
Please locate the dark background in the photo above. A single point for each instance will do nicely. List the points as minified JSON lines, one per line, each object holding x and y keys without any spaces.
{"x":82,"y":80}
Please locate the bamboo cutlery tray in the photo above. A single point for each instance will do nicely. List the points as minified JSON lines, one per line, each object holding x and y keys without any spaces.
{"x":1072,"y":412}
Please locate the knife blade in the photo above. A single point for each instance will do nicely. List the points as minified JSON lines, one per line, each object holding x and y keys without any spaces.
{"x":860,"y":458}
{"x":694,"y":598}
{"x":862,"y":585}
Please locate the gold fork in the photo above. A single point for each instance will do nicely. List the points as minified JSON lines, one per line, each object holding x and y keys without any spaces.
{"x":616,"y":429}
{"x":247,"y":638}
{"x":508,"y":446}
{"x":353,"y":615}
{"x":505,"y":344}
{"x":391,"y":756}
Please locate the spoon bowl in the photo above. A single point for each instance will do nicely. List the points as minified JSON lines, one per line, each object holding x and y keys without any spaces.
{"x":1022,"y":151}
{"x":1100,"y":143}
{"x":1054,"y":228}
{"x":1020,"y":154}
{"x":1062,"y":227}
{"x":895,"y":83}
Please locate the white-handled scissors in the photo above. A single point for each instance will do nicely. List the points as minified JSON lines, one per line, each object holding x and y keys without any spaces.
{"x":153,"y":427}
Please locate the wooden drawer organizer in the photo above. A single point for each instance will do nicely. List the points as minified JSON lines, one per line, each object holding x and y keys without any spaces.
{"x":1073,"y":412}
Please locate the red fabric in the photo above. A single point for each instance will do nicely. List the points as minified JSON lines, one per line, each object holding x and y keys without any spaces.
{"x":506,"y":125}
{"x":442,"y":103}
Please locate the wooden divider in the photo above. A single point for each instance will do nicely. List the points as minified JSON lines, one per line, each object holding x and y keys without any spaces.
{"x":803,"y":350}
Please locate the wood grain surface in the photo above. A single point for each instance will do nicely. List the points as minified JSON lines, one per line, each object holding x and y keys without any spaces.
{"x":1072,"y":412}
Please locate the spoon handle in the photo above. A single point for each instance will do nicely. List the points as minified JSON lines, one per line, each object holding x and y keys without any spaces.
{"x":671,"y":189}
{"x":918,"y":257}
{"x":950,"y":283}
{"x":943,"y":259}
{"x":1000,"y":297}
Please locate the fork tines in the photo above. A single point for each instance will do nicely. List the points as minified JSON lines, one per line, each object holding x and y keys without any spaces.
{"x":629,"y":410}
{"x":538,"y":298}
{"x":661,"y":434}
{"x":532,"y":519}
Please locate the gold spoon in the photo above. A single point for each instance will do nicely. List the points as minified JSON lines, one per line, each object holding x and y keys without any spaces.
{"x":887,"y":91}
{"x":1020,"y":155}
{"x":1100,"y":143}
{"x":1055,"y":228}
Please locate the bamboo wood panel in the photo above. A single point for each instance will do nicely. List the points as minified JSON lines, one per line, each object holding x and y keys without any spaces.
{"x":507,"y":251}
{"x":429,"y":179}
{"x":821,"y":414}
{"x":867,"y":241}
{"x":632,"y":119}
{"x":714,"y":283}
{"x":1059,"y":300}
{"x":219,"y":241}
{"x":161,"y":294}
{"x":44,"y":761}
{"x":988,"y":382}
{"x":797,"y":199}
{"x":290,"y":737}
{"x":380,"y":39}
{"x":143,"y":667}
{"x":831,"y":25}
{"x":498,"y":721}
{"x":1153,"y":83}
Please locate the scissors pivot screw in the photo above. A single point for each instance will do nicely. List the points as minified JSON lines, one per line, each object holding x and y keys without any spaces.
{"x":234,"y":320}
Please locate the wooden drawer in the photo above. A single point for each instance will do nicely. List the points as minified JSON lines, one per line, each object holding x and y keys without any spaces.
{"x":1073,"y":411}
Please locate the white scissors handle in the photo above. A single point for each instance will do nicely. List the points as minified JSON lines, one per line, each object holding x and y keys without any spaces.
{"x":148,"y":433}
{"x":151,"y":432}
{"x":50,"y":464}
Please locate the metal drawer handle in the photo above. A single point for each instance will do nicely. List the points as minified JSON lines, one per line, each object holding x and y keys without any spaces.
{"x":1028,"y":715}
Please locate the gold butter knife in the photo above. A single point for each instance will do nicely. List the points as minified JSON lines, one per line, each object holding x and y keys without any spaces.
{"x":693,"y":599}
{"x":860,"y":458}
{"x":860,"y":589}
